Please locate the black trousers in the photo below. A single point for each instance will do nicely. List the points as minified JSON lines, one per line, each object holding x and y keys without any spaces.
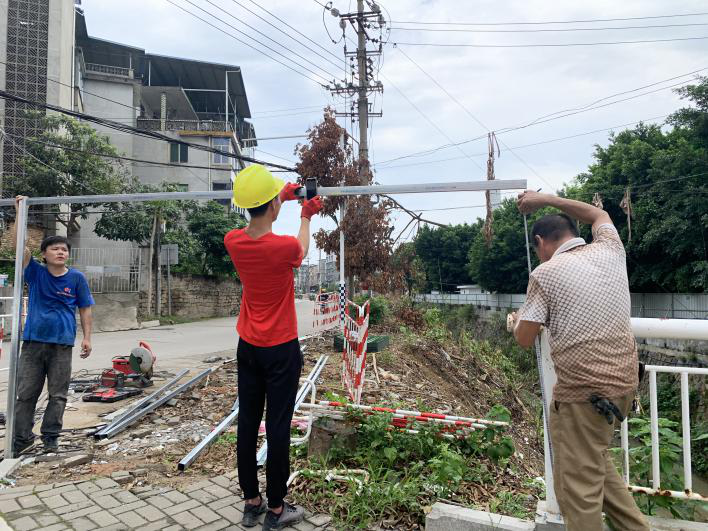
{"x":40,"y":362}
{"x":270,"y":373}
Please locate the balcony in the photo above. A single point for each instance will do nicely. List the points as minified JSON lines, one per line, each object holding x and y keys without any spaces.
{"x":108,"y":70}
{"x":207,"y":126}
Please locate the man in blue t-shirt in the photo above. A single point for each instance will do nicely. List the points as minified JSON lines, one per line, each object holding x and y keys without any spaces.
{"x":55,"y":291}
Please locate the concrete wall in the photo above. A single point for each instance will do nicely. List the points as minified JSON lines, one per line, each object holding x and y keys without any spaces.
{"x":60,"y":54}
{"x":198,"y":297}
{"x":115,"y":311}
{"x":3,"y":71}
{"x":196,"y":179}
{"x":123,"y":110}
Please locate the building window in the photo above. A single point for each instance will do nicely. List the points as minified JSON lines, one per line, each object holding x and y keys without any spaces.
{"x":222,"y":186}
{"x":178,"y":152}
{"x":222,"y":144}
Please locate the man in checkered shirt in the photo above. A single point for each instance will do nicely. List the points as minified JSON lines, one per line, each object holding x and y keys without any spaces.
{"x":580,"y":293}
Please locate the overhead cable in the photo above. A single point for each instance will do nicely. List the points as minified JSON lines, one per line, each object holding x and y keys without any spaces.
{"x":552,"y":21}
{"x":544,"y":45}
{"x":134,"y":130}
{"x":289,"y":67}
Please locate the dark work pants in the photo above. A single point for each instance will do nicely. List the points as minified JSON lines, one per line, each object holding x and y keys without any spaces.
{"x":40,"y":361}
{"x":272,"y":373}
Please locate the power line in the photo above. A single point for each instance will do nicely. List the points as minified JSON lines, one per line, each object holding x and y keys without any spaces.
{"x":544,"y":30}
{"x":295,"y":29}
{"x":430,"y":121}
{"x":337,"y":65}
{"x":469,"y":113}
{"x":134,"y":130}
{"x":247,"y":44}
{"x":551,"y":21}
{"x":552,"y":117}
{"x":545,"y":45}
{"x":260,"y":33}
{"x":480,"y":154}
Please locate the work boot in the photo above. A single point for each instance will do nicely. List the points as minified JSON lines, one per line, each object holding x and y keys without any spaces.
{"x":51,"y":444}
{"x":20,"y":447}
{"x":290,"y":515}
{"x":251,"y":512}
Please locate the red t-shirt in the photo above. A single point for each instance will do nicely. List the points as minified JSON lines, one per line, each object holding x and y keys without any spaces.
{"x":265,"y":267}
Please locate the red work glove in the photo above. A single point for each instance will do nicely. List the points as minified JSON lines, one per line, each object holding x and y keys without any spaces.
{"x":311,"y":207}
{"x":288,"y":192}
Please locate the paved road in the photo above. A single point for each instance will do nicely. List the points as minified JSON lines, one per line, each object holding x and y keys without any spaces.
{"x":176,"y":346}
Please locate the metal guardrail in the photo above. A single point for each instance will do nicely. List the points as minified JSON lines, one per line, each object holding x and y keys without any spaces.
{"x":155,"y":124}
{"x":656,"y":489}
{"x":658,"y":305}
{"x":109,"y":69}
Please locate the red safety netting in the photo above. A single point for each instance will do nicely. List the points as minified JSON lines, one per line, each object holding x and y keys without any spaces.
{"x":356,"y":333}
{"x":326,"y":311}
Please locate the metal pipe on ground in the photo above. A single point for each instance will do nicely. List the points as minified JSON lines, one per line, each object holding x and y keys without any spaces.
{"x":142,"y":403}
{"x":209,"y":439}
{"x":132,"y":419}
{"x":262,"y":454}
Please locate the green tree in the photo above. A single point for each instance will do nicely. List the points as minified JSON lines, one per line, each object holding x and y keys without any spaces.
{"x":443,"y":253}
{"x":65,"y":159}
{"x":501,"y":266}
{"x":665,"y":173}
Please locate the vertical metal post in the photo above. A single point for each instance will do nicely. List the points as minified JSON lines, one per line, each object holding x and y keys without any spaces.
{"x":21,"y":227}
{"x":625,"y":450}
{"x":342,"y":284}
{"x":226,"y":96}
{"x":549,"y":381}
{"x":158,"y":280}
{"x":686,"y":433}
{"x":169,"y":284}
{"x":654,"y":419}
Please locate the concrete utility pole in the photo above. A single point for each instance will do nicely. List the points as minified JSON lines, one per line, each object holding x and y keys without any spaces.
{"x":363,"y":101}
{"x":360,"y":82}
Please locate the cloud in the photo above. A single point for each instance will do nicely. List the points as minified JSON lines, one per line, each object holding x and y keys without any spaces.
{"x":501,"y":86}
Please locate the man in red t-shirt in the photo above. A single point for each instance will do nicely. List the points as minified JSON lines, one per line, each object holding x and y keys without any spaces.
{"x":269,"y":357}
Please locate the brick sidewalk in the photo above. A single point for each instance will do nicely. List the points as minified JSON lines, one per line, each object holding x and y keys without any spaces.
{"x":103,"y":504}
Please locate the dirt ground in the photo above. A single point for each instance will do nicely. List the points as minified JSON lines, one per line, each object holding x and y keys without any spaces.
{"x":414,"y":378}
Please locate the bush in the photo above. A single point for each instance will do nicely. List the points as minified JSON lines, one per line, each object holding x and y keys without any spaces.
{"x":379,"y":309}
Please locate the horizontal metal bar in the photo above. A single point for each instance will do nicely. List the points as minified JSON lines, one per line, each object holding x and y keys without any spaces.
{"x":465,"y":186}
{"x":670,"y":328}
{"x":209,"y":439}
{"x":324,"y":191}
{"x":669,"y":493}
{"x":128,"y":421}
{"x":674,"y":369}
{"x":143,"y":402}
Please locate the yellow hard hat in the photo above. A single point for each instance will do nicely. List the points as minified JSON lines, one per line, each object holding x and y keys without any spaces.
{"x":255,"y":186}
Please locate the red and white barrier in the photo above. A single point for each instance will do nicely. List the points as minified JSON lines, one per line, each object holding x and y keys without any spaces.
{"x":356,"y":333}
{"x":326,"y":311}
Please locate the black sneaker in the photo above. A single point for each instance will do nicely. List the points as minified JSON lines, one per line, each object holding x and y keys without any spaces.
{"x":290,"y":515}
{"x":51,"y":444}
{"x":252,"y":512}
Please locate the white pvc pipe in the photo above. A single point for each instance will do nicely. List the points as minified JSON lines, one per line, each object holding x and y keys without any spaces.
{"x":625,"y":449}
{"x":680,"y":370}
{"x":654,"y":416}
{"x":670,"y":328}
{"x":686,"y":434}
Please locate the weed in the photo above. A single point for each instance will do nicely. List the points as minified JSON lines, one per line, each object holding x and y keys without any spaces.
{"x":227,"y":439}
{"x":510,"y":503}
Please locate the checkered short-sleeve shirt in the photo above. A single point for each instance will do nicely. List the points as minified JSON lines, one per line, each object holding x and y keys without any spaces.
{"x":582,"y":296}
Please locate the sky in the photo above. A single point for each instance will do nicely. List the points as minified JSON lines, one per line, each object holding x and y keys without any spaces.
{"x":454,"y":94}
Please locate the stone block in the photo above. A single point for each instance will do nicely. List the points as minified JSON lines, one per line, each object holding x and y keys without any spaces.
{"x":30,"y":501}
{"x":205,"y":514}
{"x":53,"y":502}
{"x":132,"y":519}
{"x":77,"y":460}
{"x":203,"y":496}
{"x":218,"y":525}
{"x":83,"y":524}
{"x":26,"y":523}
{"x":106,"y":502}
{"x":175,"y":496}
{"x":71,"y":507}
{"x":187,"y":520}
{"x":46,"y":519}
{"x":446,"y":517}
{"x":9,"y":506}
{"x":150,"y":513}
{"x":106,"y":483}
{"x":121,"y":477}
{"x":75,"y":496}
{"x":125,"y":507}
{"x":103,"y":518}
{"x":160,"y":502}
{"x":222,"y":481}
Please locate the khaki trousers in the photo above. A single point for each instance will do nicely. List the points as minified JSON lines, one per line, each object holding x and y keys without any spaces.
{"x":585,"y":478}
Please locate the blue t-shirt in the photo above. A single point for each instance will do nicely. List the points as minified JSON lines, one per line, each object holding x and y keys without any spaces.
{"x":51,"y":315}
